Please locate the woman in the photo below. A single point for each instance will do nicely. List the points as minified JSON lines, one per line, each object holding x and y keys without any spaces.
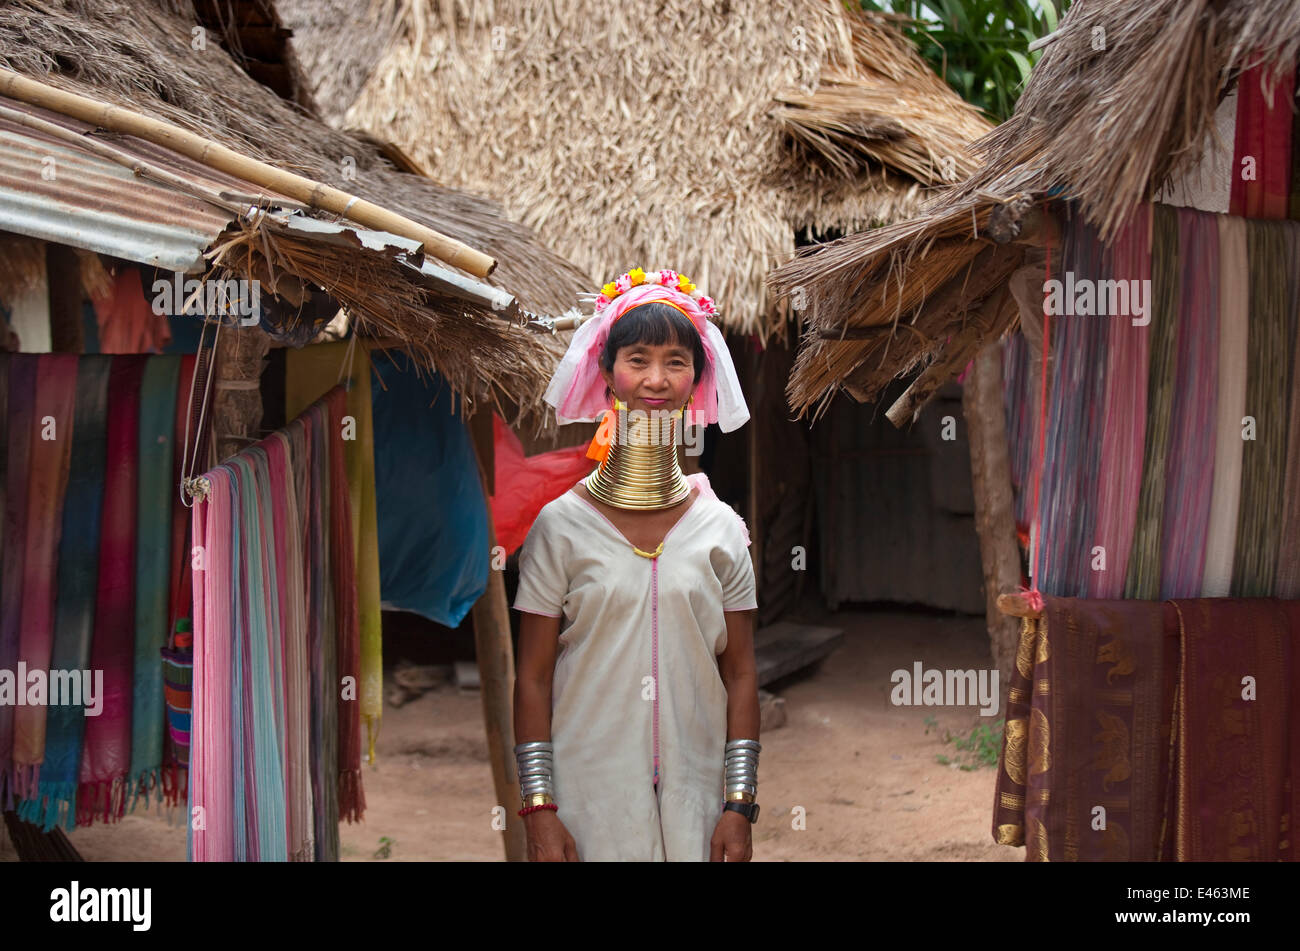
{"x":636,"y":698}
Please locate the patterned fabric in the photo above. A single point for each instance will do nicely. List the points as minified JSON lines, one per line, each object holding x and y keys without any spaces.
{"x":1149,"y":731}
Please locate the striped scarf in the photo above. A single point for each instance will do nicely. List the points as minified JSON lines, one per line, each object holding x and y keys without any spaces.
{"x":106,"y":757}
{"x":51,"y":456}
{"x":54,"y":802}
{"x":1189,"y":473}
{"x":153,"y":563}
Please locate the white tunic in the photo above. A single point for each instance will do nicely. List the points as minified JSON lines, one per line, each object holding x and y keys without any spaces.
{"x":630,"y":624}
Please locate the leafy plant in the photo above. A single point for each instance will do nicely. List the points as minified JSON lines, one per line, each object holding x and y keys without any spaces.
{"x":980,"y":47}
{"x":980,"y":748}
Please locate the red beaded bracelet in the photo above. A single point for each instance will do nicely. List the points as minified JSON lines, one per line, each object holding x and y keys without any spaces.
{"x":545,"y":805}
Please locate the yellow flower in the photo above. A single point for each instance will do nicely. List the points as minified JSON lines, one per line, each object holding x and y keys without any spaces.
{"x":609,"y":290}
{"x":684,"y":284}
{"x":637,"y":276}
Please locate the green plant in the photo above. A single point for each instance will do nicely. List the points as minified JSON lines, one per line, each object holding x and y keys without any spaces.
{"x":385,"y":847}
{"x":980,"y":748}
{"x":980,"y":47}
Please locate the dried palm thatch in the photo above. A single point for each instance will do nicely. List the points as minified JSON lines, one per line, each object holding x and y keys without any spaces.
{"x":1122,"y":101}
{"x":481,"y":356}
{"x":676,"y":133}
{"x":142,"y":54}
{"x":884,"y":108}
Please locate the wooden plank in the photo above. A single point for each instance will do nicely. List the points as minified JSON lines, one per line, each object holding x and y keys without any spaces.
{"x":785,"y":647}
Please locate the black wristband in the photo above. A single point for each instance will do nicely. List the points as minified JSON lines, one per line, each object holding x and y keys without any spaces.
{"x":747,"y":809}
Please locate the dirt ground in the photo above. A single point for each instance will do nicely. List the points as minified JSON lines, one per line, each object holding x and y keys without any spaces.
{"x":864,"y":771}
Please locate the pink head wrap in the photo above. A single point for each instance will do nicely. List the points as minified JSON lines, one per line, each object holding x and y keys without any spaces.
{"x":577,"y":390}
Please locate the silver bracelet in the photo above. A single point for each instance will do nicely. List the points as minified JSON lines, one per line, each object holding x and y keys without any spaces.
{"x":535,"y":764}
{"x":740,"y":767}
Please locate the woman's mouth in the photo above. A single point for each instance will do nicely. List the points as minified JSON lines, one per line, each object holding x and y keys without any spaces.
{"x":646,"y":399}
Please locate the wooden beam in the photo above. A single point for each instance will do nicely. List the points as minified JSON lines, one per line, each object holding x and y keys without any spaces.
{"x":495,"y":654}
{"x":995,"y":521}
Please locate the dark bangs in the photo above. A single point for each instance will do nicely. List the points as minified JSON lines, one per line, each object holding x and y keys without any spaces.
{"x":658,"y":324}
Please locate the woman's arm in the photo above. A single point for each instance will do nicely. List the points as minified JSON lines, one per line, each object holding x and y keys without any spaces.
{"x":740,"y":676}
{"x":732,"y":839}
{"x":539,"y":637}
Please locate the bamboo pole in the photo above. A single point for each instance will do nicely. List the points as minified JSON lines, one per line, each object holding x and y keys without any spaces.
{"x":214,"y":155}
{"x":496,"y":670}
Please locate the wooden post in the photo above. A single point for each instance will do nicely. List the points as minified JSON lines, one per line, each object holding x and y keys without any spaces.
{"x":496,"y":664}
{"x":983,"y":407}
{"x":63,"y":268}
{"x":236,"y":394}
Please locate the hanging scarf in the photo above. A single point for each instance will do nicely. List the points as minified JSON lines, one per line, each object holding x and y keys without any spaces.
{"x":259,"y":680}
{"x":352,"y":799}
{"x":75,"y":613}
{"x":1263,"y":143}
{"x":1124,"y":423}
{"x":22,"y":405}
{"x":211,"y":787}
{"x":1143,"y":576}
{"x":1287,"y":582}
{"x":1070,"y":476}
{"x":153,"y":564}
{"x":51,"y":455}
{"x":1233,"y":755}
{"x":324,"y":646}
{"x":1259,"y":518}
{"x":1234,"y":315}
{"x":175,"y":771}
{"x":309,"y":373}
{"x":297,"y":672}
{"x":107,"y":753}
{"x":1190,"y":471}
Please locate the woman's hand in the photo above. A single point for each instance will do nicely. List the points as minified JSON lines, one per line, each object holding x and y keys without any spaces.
{"x":732,"y":839}
{"x":548,"y":840}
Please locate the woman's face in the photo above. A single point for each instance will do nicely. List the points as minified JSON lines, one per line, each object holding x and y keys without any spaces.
{"x":652,"y":377}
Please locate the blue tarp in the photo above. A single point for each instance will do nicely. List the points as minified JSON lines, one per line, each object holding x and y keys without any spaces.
{"x":433,"y":518}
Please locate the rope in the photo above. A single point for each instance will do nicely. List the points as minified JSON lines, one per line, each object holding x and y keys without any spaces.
{"x":189,"y":464}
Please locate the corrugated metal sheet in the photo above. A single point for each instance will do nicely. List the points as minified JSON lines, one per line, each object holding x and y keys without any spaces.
{"x":445,"y":280}
{"x":53,"y":190}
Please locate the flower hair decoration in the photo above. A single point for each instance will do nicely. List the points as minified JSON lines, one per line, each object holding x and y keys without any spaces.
{"x":664,"y":278}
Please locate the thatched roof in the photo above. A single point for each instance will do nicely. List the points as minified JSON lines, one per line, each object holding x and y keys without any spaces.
{"x":674,"y":133}
{"x":1122,"y":101}
{"x":141,"y":55}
